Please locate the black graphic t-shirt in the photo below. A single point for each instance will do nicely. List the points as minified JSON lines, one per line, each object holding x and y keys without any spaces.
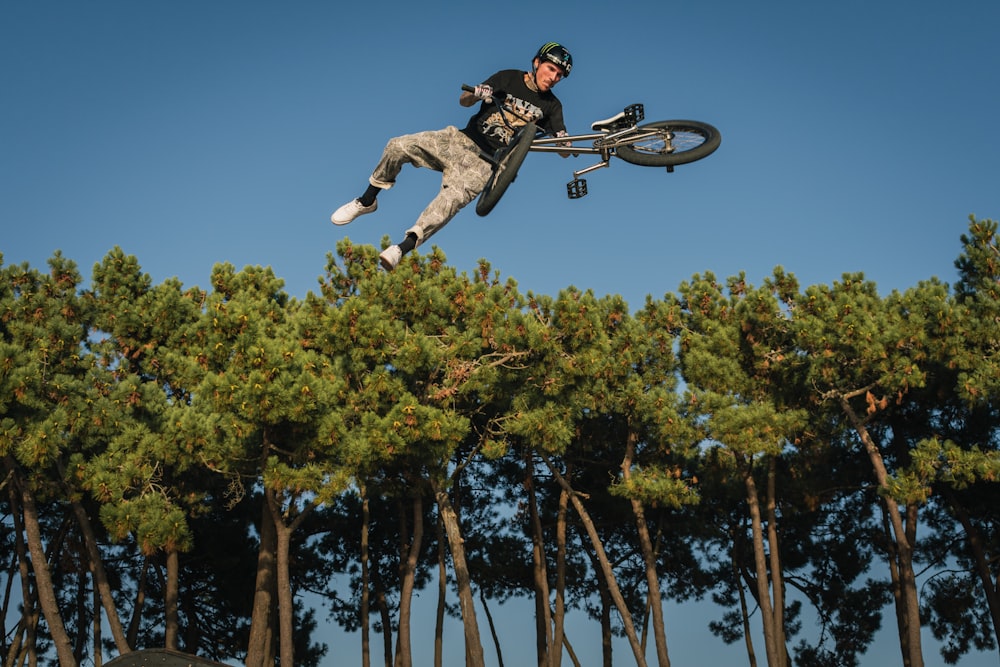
{"x":522,"y":106}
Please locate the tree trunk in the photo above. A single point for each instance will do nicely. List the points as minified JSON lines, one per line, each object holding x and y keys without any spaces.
{"x":559,"y":618}
{"x":777,"y":577}
{"x":383,"y":610}
{"x":442,"y":594}
{"x":649,"y":558}
{"x":170,"y":594}
{"x":912,"y":595}
{"x":604,"y":563}
{"x":46,"y":590}
{"x":896,"y":586}
{"x":473,"y":644}
{"x":771,"y":648}
{"x":607,"y":655}
{"x":543,"y":615}
{"x":903,"y":542}
{"x":365,"y":586}
{"x":570,"y":652}
{"x":24,"y":646}
{"x":98,"y":652}
{"x":96,"y":565}
{"x":404,"y":651}
{"x":286,"y":645}
{"x":991,"y":588}
{"x":138,"y":604}
{"x":286,"y":602}
{"x":744,"y":610}
{"x":260,"y":645}
{"x":493,"y":628}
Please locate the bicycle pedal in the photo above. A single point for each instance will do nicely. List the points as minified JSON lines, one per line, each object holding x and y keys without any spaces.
{"x":576,"y":188}
{"x":635,"y":113}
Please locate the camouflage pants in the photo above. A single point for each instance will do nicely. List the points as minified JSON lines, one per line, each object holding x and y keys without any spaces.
{"x":464,"y":173}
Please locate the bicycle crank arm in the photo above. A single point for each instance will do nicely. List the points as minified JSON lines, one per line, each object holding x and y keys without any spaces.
{"x":578,"y":186}
{"x":593,"y":167}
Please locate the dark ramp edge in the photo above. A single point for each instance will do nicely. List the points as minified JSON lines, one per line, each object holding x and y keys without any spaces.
{"x":161,"y":657}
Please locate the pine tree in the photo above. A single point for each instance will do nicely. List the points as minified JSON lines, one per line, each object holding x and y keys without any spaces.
{"x":958,"y":458}
{"x":738,"y":360}
{"x":255,"y":417}
{"x":866,"y":355}
{"x":45,"y":387}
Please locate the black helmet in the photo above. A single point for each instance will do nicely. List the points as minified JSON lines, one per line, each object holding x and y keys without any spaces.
{"x":556,"y":54}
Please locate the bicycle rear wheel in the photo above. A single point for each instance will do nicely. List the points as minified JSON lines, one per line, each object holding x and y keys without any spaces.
{"x":505,"y":169}
{"x":672,"y":142}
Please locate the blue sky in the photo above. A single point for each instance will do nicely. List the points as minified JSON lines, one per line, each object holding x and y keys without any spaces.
{"x":857,"y":136}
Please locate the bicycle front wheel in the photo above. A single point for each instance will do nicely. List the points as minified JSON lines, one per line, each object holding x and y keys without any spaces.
{"x":505,"y":169}
{"x":670,"y":142}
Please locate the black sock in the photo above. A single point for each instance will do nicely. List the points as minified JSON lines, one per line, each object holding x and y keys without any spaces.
{"x":409,"y":243}
{"x":368,"y":198}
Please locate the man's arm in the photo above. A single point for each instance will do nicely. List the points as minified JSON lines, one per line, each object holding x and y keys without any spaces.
{"x":482,"y":92}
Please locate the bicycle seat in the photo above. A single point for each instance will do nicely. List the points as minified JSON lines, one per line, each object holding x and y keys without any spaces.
{"x":607,"y":124}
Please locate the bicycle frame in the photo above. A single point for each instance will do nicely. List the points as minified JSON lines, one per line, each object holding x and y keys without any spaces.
{"x":623,"y":129}
{"x":604,"y":144}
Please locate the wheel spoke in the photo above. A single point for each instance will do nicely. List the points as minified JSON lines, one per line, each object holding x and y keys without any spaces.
{"x":681,"y":140}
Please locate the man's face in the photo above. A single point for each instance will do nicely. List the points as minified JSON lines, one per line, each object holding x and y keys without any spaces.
{"x":547,"y":74}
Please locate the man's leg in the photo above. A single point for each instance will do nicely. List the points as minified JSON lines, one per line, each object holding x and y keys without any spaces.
{"x":416,"y":149}
{"x":420,"y":149}
{"x":464,"y":175}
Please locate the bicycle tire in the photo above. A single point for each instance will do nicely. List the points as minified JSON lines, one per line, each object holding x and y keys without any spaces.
{"x":505,"y":169}
{"x":692,"y":140}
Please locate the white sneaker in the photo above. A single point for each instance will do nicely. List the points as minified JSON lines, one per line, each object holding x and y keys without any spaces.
{"x":390,"y":257}
{"x":351,"y":210}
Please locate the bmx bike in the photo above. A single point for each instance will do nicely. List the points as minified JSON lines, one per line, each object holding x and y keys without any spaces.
{"x":664,"y":143}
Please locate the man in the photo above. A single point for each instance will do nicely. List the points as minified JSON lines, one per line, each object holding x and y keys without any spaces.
{"x":459,"y":154}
